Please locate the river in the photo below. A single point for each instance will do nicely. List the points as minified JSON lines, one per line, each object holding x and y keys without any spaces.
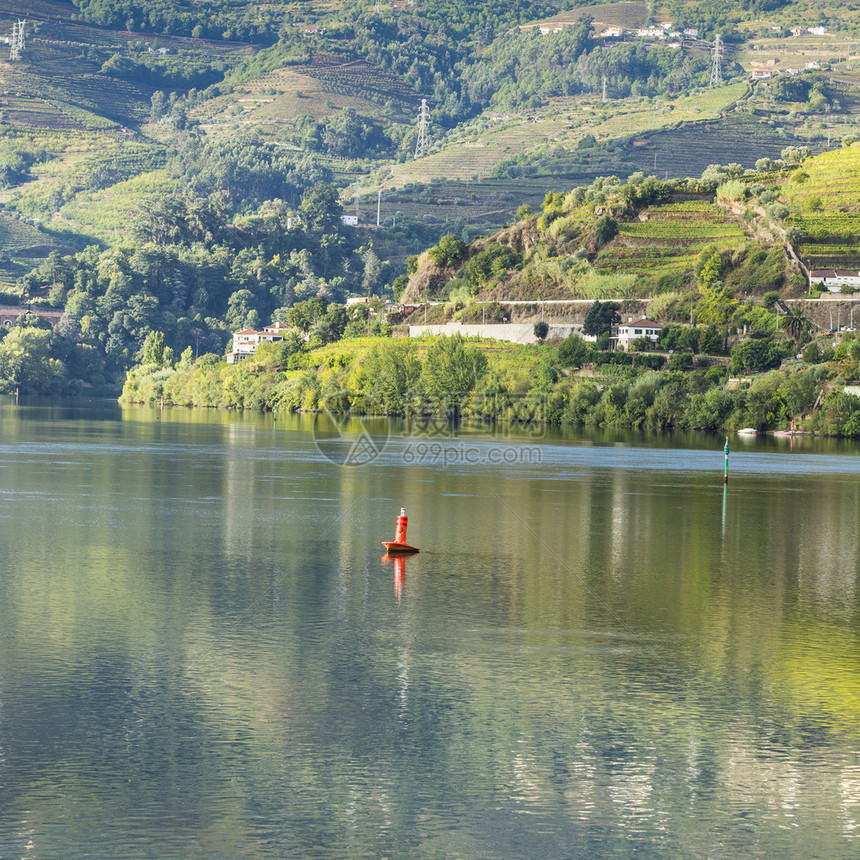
{"x":601,"y":651}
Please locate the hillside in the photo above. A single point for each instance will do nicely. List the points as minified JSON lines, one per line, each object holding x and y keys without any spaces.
{"x":823,"y":198}
{"x":651,"y":239}
{"x":185,"y":169}
{"x":84,"y":85}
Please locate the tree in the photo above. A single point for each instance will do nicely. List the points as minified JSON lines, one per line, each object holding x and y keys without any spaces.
{"x":27,"y":361}
{"x":392,"y":370}
{"x":452,"y":368}
{"x":757,"y":354}
{"x":524,"y":211}
{"x":239,"y":306}
{"x":795,"y":154}
{"x":600,"y":318}
{"x":153,"y":349}
{"x":320,"y":208}
{"x":541,"y":329}
{"x":605,"y":229}
{"x":450,"y":250}
{"x":372,"y":270}
{"x":572,"y":351}
{"x":797,"y":324}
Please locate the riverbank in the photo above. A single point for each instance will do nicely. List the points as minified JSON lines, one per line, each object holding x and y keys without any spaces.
{"x":565,"y":382}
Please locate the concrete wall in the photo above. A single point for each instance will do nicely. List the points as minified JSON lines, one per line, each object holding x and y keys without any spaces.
{"x":514,"y":332}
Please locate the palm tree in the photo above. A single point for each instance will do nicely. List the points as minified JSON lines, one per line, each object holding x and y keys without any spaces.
{"x":797,"y":324}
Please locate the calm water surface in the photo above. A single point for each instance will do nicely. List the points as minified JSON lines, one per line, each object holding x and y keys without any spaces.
{"x":600,"y":651}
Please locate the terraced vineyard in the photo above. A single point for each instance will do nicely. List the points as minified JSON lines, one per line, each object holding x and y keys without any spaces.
{"x":319,"y":89}
{"x":628,"y":13}
{"x":669,"y":241}
{"x":106,"y":215}
{"x":824,"y":199}
{"x":687,"y":150}
{"x":22,"y":244}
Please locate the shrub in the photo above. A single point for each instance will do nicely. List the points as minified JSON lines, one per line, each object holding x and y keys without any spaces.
{"x":756,"y":354}
{"x":605,"y":229}
{"x":681,"y":361}
{"x":572,"y":351}
{"x":450,"y":250}
{"x":812,"y":353}
{"x":541,"y":330}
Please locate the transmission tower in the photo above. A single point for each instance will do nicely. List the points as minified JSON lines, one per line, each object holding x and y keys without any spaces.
{"x":716,"y":70}
{"x":422,"y":129}
{"x":17,"y":41}
{"x":604,"y":88}
{"x":378,"y":7}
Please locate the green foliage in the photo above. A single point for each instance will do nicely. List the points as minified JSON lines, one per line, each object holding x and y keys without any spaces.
{"x":490,"y":263}
{"x":451,"y":367}
{"x":572,"y":351}
{"x":797,"y":324}
{"x":524,"y":211}
{"x":450,"y":250}
{"x":755,"y":354}
{"x":541,"y":330}
{"x":523,"y":68}
{"x":29,"y":361}
{"x":153,"y":349}
{"x":391,"y":371}
{"x":600,"y":318}
{"x":320,"y":208}
{"x":709,"y":267}
{"x":605,"y":229}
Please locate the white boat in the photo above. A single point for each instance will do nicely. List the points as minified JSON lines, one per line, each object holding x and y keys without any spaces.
{"x":748,"y":431}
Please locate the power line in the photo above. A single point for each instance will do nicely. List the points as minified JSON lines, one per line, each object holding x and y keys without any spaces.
{"x":422,"y":129}
{"x":716,"y":70}
{"x":17,"y":41}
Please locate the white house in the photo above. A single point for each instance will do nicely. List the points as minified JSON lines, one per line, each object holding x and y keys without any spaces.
{"x":834,"y":279}
{"x":651,"y":33}
{"x":246,"y":341}
{"x":761,"y":73}
{"x":634,"y":329}
{"x":349,"y":220}
{"x":817,"y":31}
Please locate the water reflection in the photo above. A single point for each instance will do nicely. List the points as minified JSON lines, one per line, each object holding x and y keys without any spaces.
{"x":603,"y":655}
{"x":398,"y":563}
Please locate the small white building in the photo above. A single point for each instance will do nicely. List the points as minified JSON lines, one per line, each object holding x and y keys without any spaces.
{"x":817,"y":31}
{"x":634,"y":329}
{"x":247,"y":340}
{"x":834,"y":279}
{"x":651,"y":33}
{"x":349,"y":220}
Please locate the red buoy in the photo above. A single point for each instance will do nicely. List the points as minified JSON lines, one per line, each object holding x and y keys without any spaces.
{"x":399,"y":545}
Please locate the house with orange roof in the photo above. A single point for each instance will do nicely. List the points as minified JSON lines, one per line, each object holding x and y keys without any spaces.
{"x":247,"y":340}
